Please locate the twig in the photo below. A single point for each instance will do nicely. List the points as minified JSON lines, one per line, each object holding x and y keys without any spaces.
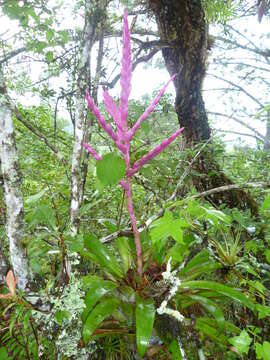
{"x":140,"y":60}
{"x":240,"y":88}
{"x":228,"y":188}
{"x":186,"y":172}
{"x":239,"y":133}
{"x":180,"y":345}
{"x":239,"y":122}
{"x":264,"y":53}
{"x":34,"y":130}
{"x":11,"y":55}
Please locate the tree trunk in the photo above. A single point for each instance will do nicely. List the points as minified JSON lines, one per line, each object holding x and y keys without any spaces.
{"x":183,"y":23}
{"x":3,"y":260}
{"x":93,"y":23}
{"x":12,"y":192}
{"x":267,"y":134}
{"x":79,"y":127}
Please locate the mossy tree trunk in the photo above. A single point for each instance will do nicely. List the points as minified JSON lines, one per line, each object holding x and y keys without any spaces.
{"x":183,"y":23}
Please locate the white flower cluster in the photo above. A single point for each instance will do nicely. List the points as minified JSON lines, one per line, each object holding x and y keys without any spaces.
{"x":67,"y":332}
{"x":171,"y":279}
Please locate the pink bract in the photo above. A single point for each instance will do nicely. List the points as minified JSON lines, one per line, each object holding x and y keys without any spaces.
{"x":122,"y":137}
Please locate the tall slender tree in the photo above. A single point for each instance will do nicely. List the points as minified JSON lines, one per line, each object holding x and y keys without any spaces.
{"x":95,"y":13}
{"x":12,"y":182}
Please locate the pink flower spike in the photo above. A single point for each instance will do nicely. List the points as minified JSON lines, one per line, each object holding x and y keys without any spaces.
{"x":112,"y":108}
{"x":92,"y":151}
{"x":121,"y":147}
{"x":148,"y":111}
{"x":153,"y":153}
{"x":123,"y":184}
{"x":126,"y":72}
{"x":100,"y":118}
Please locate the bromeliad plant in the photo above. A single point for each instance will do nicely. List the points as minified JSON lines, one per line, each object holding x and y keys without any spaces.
{"x":177,"y":292}
{"x":123,"y":136}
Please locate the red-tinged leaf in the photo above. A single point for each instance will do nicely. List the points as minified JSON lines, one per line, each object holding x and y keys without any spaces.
{"x":11,"y":282}
{"x":5,"y":296}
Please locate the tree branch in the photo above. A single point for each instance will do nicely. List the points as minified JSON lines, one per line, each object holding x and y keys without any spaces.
{"x":35,"y":131}
{"x":239,"y":133}
{"x":239,"y":88}
{"x":140,"y":60}
{"x":12,"y":54}
{"x":264,"y":53}
{"x":259,"y":135}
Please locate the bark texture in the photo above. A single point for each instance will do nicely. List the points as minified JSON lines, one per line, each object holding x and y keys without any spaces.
{"x":12,"y":192}
{"x":267,"y":134}
{"x":182,"y":22}
{"x":3,"y":260}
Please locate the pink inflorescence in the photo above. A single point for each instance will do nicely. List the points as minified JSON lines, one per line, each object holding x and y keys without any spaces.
{"x":122,"y":137}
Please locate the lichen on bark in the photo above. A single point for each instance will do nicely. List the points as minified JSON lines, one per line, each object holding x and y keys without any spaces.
{"x":12,"y":192}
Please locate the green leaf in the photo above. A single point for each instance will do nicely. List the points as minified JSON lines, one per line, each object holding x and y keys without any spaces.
{"x":145,"y":126}
{"x":232,"y":293}
{"x":98,"y":288}
{"x":200,"y":259}
{"x":208,"y":328}
{"x":266,"y":204}
{"x":125,"y":252}
{"x":110,"y":169}
{"x":26,"y":320}
{"x":40,"y":46}
{"x":99,"y":313}
{"x":11,"y":9}
{"x":174,"y":349}
{"x":49,"y":35}
{"x":45,"y":215}
{"x":85,"y":208}
{"x":267,"y":255}
{"x":145,"y":316}
{"x":76,"y":243}
{"x":176,"y":252}
{"x":49,"y":56}
{"x":164,"y":227}
{"x":263,"y":311}
{"x":241,"y":342}
{"x":103,"y":255}
{"x":64,"y":36}
{"x":216,"y":216}
{"x":90,"y":280}
{"x":248,"y":268}
{"x":4,"y":354}
{"x":212,"y":308}
{"x":251,"y":246}
{"x":110,"y":224}
{"x":60,"y":315}
{"x":263,"y":351}
{"x":35,"y":198}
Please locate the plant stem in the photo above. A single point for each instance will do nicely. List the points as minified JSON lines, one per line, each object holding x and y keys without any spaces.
{"x":134,"y":226}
